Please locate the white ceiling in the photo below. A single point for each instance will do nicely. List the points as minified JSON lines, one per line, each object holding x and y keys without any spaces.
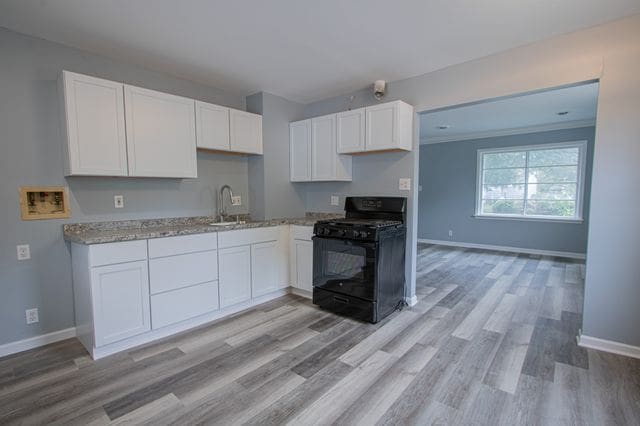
{"x":537,"y":111}
{"x":302,"y":50}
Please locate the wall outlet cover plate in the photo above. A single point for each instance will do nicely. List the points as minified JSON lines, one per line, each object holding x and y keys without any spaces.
{"x":23,"y":252}
{"x":118,"y":201}
{"x":404,"y":184}
{"x":335,"y":200}
{"x":32,"y":316}
{"x":236,"y":200}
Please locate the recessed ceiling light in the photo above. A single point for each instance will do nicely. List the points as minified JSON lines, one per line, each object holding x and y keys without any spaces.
{"x":443,"y":127}
{"x":562,"y":113}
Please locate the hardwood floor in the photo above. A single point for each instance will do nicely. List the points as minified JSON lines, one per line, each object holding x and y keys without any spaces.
{"x":491,"y":341}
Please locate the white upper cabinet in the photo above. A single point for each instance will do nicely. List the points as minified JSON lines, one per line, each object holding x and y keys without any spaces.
{"x":323,"y":147}
{"x":224,"y":129}
{"x":300,"y":151}
{"x":314,"y":155}
{"x":93,"y":121}
{"x":161,"y":139}
{"x":351,"y":131}
{"x":389,"y":126}
{"x":212,"y":126}
{"x":245,"y":132}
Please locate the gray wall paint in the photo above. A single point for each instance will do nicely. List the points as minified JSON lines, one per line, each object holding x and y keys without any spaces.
{"x":447,"y":200}
{"x":272,"y":194}
{"x":31,"y":154}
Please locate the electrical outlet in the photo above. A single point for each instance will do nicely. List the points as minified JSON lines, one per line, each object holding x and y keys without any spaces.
{"x":118,"y":201}
{"x":404,"y":184}
{"x":32,"y":316}
{"x":450,"y":233}
{"x":335,"y":200}
{"x":24,"y":252}
{"x":236,"y":200}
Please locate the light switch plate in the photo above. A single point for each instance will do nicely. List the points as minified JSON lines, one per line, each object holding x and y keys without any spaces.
{"x":236,"y":200}
{"x":118,"y":201}
{"x":404,"y":184}
{"x":23,"y":251}
{"x":335,"y":200}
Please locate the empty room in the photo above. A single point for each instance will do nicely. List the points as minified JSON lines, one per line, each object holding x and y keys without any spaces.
{"x":286,"y":212}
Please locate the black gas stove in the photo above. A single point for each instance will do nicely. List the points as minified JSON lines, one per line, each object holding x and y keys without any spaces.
{"x":359,"y":261}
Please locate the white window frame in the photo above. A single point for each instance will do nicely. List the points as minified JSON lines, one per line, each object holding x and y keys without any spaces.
{"x":582,"y":162}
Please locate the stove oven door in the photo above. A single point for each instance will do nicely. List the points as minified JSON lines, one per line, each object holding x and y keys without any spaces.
{"x":344,"y":266}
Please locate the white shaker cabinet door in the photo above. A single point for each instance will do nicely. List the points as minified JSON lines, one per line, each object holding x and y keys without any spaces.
{"x":120,"y":297}
{"x":303,"y":269}
{"x":234,"y":268}
{"x":93,"y":121}
{"x":161,"y":139}
{"x":351,"y":131}
{"x":381,"y":127}
{"x":300,"y":151}
{"x":246,"y":132}
{"x":265,"y":268}
{"x":212,"y":126}
{"x":323,"y":148}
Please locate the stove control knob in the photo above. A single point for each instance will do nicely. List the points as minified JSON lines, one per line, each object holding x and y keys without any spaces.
{"x":342,"y":232}
{"x":324,"y":231}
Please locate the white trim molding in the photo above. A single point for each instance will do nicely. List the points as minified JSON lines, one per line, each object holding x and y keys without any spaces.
{"x":411,"y":301}
{"x":36,"y":341}
{"x":608,"y":346}
{"x":575,"y":124}
{"x":568,"y":254}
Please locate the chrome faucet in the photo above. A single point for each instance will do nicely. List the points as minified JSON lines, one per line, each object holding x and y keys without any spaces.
{"x":221,"y":211}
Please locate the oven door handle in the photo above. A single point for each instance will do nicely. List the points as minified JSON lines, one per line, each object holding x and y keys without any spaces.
{"x":366,"y":244}
{"x":340,"y":299}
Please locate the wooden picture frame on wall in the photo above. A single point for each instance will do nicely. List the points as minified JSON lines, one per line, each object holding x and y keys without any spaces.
{"x":44,"y":202}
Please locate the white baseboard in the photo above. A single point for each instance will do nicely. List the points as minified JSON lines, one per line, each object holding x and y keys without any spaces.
{"x":301,"y":292}
{"x":411,"y":301}
{"x":609,"y":346}
{"x":569,"y":254}
{"x":36,"y":341}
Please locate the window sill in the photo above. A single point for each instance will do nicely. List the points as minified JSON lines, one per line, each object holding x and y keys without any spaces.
{"x":528,"y":218}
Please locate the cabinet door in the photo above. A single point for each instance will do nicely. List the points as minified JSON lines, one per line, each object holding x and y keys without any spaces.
{"x":323,"y":148}
{"x":265,"y":268}
{"x":94,"y":124}
{"x":246,"y":132}
{"x":161,"y":140}
{"x":381,"y":124}
{"x":303,"y":258}
{"x":234,"y":268}
{"x":351,"y":131}
{"x":212,"y":124}
{"x":120,"y":295}
{"x":300,"y":151}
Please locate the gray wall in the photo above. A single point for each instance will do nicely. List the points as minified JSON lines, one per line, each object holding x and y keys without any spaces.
{"x":448,"y":197}
{"x":272,"y":195}
{"x":31,"y":154}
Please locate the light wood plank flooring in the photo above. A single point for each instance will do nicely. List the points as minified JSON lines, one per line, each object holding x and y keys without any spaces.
{"x":491,"y":341}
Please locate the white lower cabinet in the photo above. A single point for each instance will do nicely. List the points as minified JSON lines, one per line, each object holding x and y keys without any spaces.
{"x":301,"y":258}
{"x":134,"y":292}
{"x":265,"y":271}
{"x":179,"y":305}
{"x":235,"y":275}
{"x":120,"y":301}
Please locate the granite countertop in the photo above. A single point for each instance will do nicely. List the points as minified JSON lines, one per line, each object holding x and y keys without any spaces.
{"x":129,"y":230}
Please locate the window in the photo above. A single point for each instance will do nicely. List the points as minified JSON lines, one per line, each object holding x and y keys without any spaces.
{"x":534,"y":182}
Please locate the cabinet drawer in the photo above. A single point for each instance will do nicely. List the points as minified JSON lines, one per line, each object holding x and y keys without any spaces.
{"x":170,"y":246}
{"x":301,"y":232}
{"x":121,"y":252}
{"x":179,"y":305}
{"x":170,"y":273}
{"x":245,"y":237}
